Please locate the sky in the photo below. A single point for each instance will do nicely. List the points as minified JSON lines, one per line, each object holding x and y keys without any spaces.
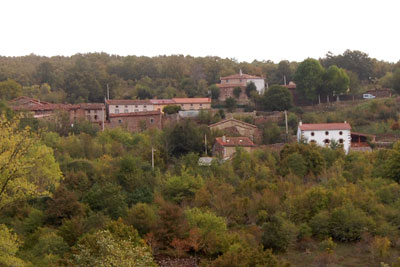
{"x":244,"y":30}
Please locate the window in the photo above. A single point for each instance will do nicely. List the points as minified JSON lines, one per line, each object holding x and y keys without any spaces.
{"x":144,"y":106}
{"x":136,"y":110}
{"x":126,"y":110}
{"x":312,"y":141}
{"x":88,"y":111}
{"x":340,"y":133}
{"x":326,"y":133}
{"x":117,"y":106}
{"x":341,"y":141}
{"x":126,"y":106}
{"x":136,"y":106}
{"x":227,"y":80}
{"x":151,"y":120}
{"x":201,"y":105}
{"x":327,"y":141}
{"x":312,"y":133}
{"x":95,"y":117}
{"x":119,"y":121}
{"x":191,"y":105}
{"x":116,"y":111}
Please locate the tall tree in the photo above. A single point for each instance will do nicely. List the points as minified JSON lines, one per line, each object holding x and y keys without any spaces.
{"x":277,"y":98}
{"x":336,"y":81}
{"x":308,"y":78}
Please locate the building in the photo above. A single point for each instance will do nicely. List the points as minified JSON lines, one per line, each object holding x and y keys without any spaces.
{"x":323,"y":133}
{"x":159,"y":104}
{"x":361,"y":142}
{"x":236,"y":127}
{"x":225,"y":147}
{"x":229,"y":83}
{"x":136,"y":121}
{"x":196,"y":103}
{"x":128,"y":106}
{"x":93,"y":112}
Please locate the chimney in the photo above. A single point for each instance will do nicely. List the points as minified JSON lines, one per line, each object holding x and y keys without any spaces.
{"x":224,"y":138}
{"x":300,"y":123}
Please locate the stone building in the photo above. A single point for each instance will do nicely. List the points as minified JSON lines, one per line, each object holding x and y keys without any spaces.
{"x":136,"y":121}
{"x":225,"y":147}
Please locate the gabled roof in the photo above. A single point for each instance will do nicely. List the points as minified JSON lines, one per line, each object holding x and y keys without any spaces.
{"x":235,"y":141}
{"x":324,"y":126}
{"x":194,"y":100}
{"x":128,"y":102}
{"x":162,"y":101}
{"x":234,"y":120}
{"x":25,"y":100}
{"x":241,"y":76}
{"x":136,"y":114}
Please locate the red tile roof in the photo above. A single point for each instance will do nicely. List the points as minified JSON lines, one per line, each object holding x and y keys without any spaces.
{"x":241,"y":76}
{"x":194,"y":100}
{"x":324,"y":126}
{"x":162,"y":101}
{"x":128,"y":102}
{"x":235,"y":141}
{"x":92,"y":105}
{"x":135,"y":114}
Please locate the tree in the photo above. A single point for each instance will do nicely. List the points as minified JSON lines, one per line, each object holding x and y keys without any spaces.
{"x":284,"y":70}
{"x":10,"y":89}
{"x":251,"y":87}
{"x":278,"y":234}
{"x":27,"y":168}
{"x":396,"y":80}
{"x":215,"y":91}
{"x":230,"y":104}
{"x":308,"y":78}
{"x":277,"y":98}
{"x":9,"y":244}
{"x":171,"y":109}
{"x":237,"y":91}
{"x":104,"y":248}
{"x":336,"y":81}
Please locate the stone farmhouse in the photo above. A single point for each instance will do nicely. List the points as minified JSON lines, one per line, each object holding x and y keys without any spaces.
{"x":236,"y":127}
{"x":225,"y":147}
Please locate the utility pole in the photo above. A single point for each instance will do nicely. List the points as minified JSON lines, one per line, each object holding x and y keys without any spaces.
{"x":102,"y":119}
{"x":205,"y":143}
{"x":108,"y":92}
{"x":152,"y":158}
{"x":284,"y":80}
{"x":287,"y":128}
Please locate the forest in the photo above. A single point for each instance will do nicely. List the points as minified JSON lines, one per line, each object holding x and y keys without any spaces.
{"x":77,"y":196}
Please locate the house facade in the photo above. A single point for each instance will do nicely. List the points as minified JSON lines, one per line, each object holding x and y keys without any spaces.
{"x":128,"y":106}
{"x":136,"y":121}
{"x":159,"y":104}
{"x":232,"y":125}
{"x":229,"y":83}
{"x":322,"y":134}
{"x":196,"y":103}
{"x":225,"y":147}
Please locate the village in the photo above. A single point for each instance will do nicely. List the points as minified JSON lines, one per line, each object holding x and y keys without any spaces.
{"x":136,"y":115}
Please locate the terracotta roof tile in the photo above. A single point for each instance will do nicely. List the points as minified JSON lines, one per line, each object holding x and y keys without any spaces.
{"x":234,"y":120}
{"x":324,"y":126}
{"x":230,"y":85}
{"x":194,"y":100}
{"x":128,"y":102}
{"x":162,"y":101}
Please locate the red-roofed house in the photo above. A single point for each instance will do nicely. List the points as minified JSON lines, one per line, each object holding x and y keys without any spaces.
{"x":136,"y":121}
{"x":323,"y":133}
{"x":225,"y":147}
{"x":128,"y":106}
{"x":229,"y":83}
{"x":195,"y":103}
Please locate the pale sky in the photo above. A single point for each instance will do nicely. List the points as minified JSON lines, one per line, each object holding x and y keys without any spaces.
{"x":244,"y":30}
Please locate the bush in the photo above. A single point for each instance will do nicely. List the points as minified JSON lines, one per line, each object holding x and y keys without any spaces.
{"x":171,"y":109}
{"x":278,"y":234}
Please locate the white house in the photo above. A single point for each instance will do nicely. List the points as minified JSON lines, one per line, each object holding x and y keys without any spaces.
{"x":323,"y":133}
{"x":128,"y":106}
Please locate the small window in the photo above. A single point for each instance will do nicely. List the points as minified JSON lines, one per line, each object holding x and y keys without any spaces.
{"x":119,"y":121}
{"x":312,"y":133}
{"x":126,"y":110}
{"x":88,"y":111}
{"x":312,"y":141}
{"x":340,"y":133}
{"x":126,"y":106}
{"x":341,"y":141}
{"x":117,"y":106}
{"x":144,"y":106}
{"x":116,"y":111}
{"x":326,"y":133}
{"x":136,"y":106}
{"x":327,"y":141}
{"x":191,"y":105}
{"x":151,"y":120}
{"x":136,"y":110}
{"x":182,"y":105}
{"x":201,"y":105}
{"x":227,"y":80}
{"x":95,"y":117}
